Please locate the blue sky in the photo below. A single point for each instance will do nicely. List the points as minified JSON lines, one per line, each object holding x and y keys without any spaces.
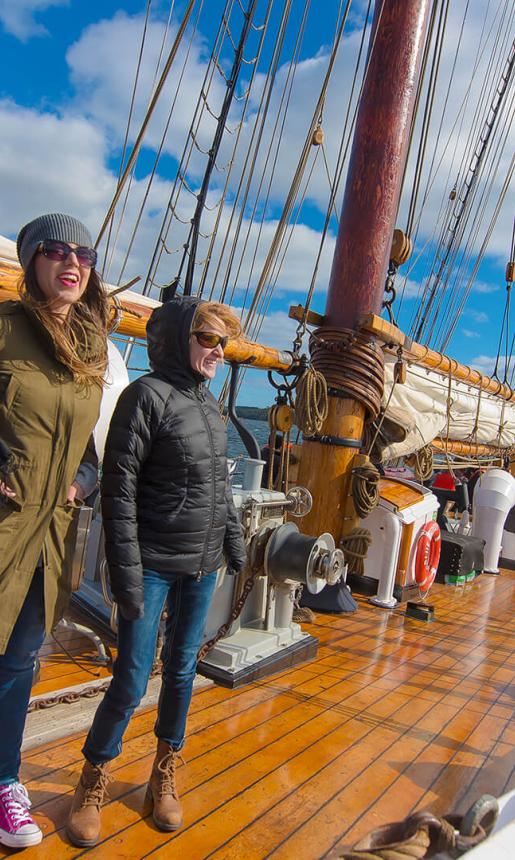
{"x":67,"y":75}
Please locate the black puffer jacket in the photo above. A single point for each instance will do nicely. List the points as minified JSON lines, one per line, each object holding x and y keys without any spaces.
{"x":166,"y":501}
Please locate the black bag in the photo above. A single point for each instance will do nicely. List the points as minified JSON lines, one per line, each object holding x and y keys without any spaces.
{"x":460,"y":555}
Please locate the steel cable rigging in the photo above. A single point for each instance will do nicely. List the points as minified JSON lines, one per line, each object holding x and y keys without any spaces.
{"x":461,"y":208}
{"x":446,"y":205}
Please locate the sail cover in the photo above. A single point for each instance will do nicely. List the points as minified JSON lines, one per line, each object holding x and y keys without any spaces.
{"x":427,"y":405}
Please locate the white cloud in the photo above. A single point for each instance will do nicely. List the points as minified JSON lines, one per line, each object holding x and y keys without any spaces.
{"x":62,"y":160}
{"x":486,"y":364}
{"x":478,"y":316}
{"x":467,"y":333}
{"x":18,"y":16}
{"x":50,"y":163}
{"x":278,"y":330}
{"x":484,"y":288}
{"x":104,"y":80}
{"x":408,"y":288}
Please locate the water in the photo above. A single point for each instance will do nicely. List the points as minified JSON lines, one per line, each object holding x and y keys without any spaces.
{"x":258,"y":428}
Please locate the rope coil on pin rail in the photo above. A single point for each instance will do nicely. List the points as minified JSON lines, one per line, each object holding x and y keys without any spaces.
{"x":352,"y":363}
{"x":422,"y":462}
{"x":355,"y":548}
{"x":311,"y":402}
{"x":365,"y":489}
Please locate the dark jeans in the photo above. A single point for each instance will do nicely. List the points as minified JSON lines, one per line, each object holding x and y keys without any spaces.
{"x":187,"y":602}
{"x":16,"y":672}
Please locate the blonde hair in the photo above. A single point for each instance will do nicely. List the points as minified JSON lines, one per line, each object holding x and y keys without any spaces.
{"x":80,"y":341}
{"x":214,"y":312}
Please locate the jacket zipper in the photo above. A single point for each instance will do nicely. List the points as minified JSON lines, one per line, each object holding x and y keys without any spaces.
{"x":201,"y":399}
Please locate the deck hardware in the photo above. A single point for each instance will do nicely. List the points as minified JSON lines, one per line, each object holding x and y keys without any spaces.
{"x":420,"y":611}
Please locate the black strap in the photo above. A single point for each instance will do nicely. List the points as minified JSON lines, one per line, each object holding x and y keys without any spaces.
{"x":341,"y":441}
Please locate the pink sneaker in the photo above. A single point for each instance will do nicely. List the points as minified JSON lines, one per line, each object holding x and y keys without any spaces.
{"x":17,"y":828}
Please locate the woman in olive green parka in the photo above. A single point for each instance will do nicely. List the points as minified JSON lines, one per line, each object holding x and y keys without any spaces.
{"x":53,"y":355}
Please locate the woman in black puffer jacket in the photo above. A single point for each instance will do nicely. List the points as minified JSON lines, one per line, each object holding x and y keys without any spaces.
{"x":169,"y":518}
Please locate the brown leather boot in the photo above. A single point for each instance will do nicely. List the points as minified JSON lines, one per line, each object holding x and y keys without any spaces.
{"x":162,"y":788}
{"x":83,"y":827}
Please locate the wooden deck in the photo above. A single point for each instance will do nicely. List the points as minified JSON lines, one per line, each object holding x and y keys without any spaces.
{"x":68,"y":658}
{"x":394,"y":715}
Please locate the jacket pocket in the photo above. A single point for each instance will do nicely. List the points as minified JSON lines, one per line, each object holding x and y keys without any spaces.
{"x":8,"y":387}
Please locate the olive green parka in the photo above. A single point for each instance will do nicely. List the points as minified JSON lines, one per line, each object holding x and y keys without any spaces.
{"x":46,"y":420}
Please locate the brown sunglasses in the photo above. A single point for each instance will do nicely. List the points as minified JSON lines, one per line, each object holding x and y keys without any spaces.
{"x":210,"y":340}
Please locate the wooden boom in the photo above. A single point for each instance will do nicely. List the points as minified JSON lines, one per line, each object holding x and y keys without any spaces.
{"x":134,"y":311}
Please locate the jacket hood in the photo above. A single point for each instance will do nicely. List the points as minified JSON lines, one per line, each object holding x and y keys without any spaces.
{"x":168,"y":339}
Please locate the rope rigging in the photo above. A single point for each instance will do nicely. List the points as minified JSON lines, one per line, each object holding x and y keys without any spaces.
{"x":467,"y":189}
{"x":125,"y":141}
{"x":139,"y":140}
{"x":192,"y":241}
{"x":498,"y":40}
{"x":275,"y":142}
{"x":201,"y":106}
{"x":250,"y":160}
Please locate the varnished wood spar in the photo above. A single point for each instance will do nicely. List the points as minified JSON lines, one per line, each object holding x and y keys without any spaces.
{"x":364,"y":238}
{"x":425,"y":357}
{"x":135,"y":313}
{"x":325,"y":471}
{"x":464,"y":448}
{"x":136,"y":310}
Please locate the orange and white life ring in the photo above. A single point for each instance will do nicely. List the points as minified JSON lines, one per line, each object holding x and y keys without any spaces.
{"x":429,"y":546}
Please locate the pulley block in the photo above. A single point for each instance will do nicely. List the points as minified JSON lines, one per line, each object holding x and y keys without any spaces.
{"x":402,"y":247}
{"x":400,"y":371}
{"x":280,"y":417}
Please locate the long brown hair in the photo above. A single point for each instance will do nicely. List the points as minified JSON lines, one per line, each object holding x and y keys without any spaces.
{"x":80,"y":340}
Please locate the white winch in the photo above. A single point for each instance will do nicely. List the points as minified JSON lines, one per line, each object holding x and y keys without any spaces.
{"x":264,"y":637}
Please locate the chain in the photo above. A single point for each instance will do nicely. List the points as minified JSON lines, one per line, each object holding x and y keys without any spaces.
{"x":390,"y":291}
{"x":236,"y":612}
{"x":299,"y":334}
{"x":75,"y":696}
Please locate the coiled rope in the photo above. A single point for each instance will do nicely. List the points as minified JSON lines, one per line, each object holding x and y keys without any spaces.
{"x":422,"y":462}
{"x":424,"y":835}
{"x":353,"y":363}
{"x":365,"y":489}
{"x":355,"y":547}
{"x":311,"y":402}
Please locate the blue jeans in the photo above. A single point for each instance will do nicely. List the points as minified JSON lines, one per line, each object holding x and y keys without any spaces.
{"x":16,"y":673}
{"x":187,"y":600}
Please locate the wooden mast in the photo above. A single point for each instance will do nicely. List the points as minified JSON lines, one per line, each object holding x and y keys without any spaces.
{"x":362,"y":254}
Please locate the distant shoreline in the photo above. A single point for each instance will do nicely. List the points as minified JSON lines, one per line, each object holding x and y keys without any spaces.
{"x":255,"y":413}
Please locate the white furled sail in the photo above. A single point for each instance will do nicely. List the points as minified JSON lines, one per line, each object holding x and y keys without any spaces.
{"x":428,"y":406}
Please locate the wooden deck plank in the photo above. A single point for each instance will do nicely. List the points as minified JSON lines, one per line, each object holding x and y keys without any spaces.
{"x":437,"y":732}
{"x":392,"y":715}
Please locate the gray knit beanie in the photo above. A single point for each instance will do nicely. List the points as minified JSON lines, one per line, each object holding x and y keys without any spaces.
{"x":63,"y":228}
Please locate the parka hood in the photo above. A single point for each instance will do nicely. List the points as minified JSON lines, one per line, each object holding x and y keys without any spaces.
{"x":168,"y":339}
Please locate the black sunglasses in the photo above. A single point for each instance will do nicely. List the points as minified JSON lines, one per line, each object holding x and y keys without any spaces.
{"x":210,"y":340}
{"x":59,"y":251}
